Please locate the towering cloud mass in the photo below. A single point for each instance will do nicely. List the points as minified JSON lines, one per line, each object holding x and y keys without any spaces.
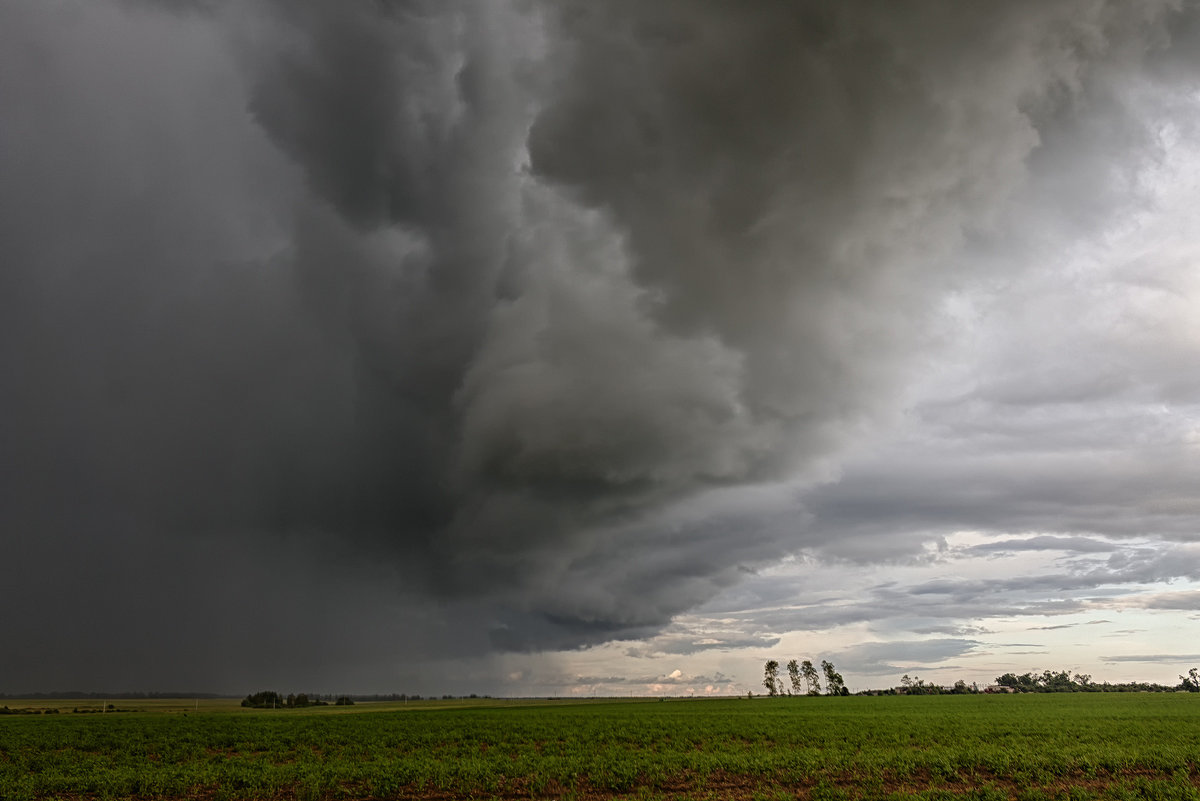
{"x":490,"y":308}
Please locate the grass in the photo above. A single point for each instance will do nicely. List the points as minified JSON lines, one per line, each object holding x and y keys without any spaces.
{"x":935,"y":748}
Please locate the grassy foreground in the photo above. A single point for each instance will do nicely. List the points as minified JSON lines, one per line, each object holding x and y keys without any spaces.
{"x":1024,"y":747}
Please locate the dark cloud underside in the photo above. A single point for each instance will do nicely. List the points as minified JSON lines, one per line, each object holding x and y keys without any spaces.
{"x":433,"y":317}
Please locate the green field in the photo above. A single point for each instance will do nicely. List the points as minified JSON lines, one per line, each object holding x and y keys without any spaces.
{"x":1024,"y":747}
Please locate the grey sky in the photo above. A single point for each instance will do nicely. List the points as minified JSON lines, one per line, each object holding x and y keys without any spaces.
{"x":488,"y":344}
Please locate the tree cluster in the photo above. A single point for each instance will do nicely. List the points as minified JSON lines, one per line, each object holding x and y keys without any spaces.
{"x":268,"y":699}
{"x":915,"y":685}
{"x":1049,"y":681}
{"x":804,"y":679}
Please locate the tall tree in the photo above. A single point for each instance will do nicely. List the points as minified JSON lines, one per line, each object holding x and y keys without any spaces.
{"x":833,"y":680}
{"x":771,"y":677}
{"x":793,"y":669}
{"x":811,"y":678}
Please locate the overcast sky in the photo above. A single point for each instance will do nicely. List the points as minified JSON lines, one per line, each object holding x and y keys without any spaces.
{"x":561,"y":347}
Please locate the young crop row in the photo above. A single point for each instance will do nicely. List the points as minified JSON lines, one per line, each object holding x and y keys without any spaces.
{"x":832,"y":747}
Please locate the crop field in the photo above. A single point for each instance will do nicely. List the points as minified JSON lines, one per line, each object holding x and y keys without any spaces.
{"x":941,"y":748}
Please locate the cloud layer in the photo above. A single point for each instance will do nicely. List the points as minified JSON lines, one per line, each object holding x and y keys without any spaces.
{"x":458,"y":328}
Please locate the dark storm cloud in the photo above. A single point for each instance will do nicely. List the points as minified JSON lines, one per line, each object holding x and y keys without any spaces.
{"x":1114,"y":485}
{"x":440,"y":325}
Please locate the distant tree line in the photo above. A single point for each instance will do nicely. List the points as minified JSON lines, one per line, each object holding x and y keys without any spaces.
{"x":803,"y":678}
{"x":273,"y":700}
{"x":915,"y":685}
{"x":1049,"y":681}
{"x":4,"y":710}
{"x":386,"y":697}
{"x":268,"y":699}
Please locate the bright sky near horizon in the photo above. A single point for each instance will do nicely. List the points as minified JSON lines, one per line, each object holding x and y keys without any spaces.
{"x":551,"y":348}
